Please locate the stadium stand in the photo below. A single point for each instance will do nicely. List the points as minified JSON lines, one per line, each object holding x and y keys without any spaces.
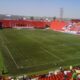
{"x":72,"y":27}
{"x":58,"y":25}
{"x":67,"y":74}
{"x":23,"y":23}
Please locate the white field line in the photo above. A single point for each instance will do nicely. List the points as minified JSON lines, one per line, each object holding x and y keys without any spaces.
{"x":11,"y":56}
{"x":49,"y":52}
{"x":53,"y":54}
{"x":9,"y":52}
{"x":43,"y":64}
{"x":46,"y":49}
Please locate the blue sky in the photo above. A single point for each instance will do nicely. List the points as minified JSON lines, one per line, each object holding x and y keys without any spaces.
{"x":41,"y":7}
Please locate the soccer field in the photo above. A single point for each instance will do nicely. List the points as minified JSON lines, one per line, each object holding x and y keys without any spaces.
{"x":27,"y":51}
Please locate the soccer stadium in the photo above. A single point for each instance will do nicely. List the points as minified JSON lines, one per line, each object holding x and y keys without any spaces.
{"x":39,"y":49}
{"x":39,"y":41}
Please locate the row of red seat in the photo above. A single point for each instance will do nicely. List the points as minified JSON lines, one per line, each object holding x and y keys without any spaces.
{"x":59,"y":76}
{"x":23,"y":23}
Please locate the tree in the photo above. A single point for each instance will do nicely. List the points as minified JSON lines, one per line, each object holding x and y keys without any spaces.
{"x":54,"y":18}
{"x":32,"y":18}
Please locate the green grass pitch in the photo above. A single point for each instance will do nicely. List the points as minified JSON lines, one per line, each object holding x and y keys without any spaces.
{"x":27,"y":51}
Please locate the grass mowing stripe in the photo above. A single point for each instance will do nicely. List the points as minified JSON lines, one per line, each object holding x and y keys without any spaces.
{"x":3,"y":44}
{"x":45,"y":48}
{"x":53,"y":54}
{"x":11,"y":56}
{"x":2,"y":65}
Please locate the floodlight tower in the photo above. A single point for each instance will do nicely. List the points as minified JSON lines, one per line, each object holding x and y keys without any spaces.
{"x":61,"y":13}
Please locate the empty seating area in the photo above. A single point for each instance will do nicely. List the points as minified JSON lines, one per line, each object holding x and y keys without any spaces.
{"x":23,"y":23}
{"x":58,"y":25}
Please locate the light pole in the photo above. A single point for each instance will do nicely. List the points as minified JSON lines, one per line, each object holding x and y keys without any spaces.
{"x":61,"y":13}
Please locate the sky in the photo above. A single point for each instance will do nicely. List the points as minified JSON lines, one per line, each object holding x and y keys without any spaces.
{"x":49,"y":8}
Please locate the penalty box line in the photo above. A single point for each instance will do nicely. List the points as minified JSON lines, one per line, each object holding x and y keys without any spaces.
{"x":9,"y":52}
{"x":11,"y":56}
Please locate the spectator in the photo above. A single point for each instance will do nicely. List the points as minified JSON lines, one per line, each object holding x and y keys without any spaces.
{"x":78,"y":77}
{"x":74,"y":75}
{"x":65,"y":75}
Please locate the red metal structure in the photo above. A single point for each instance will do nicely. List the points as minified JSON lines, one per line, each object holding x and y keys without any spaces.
{"x":23,"y":23}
